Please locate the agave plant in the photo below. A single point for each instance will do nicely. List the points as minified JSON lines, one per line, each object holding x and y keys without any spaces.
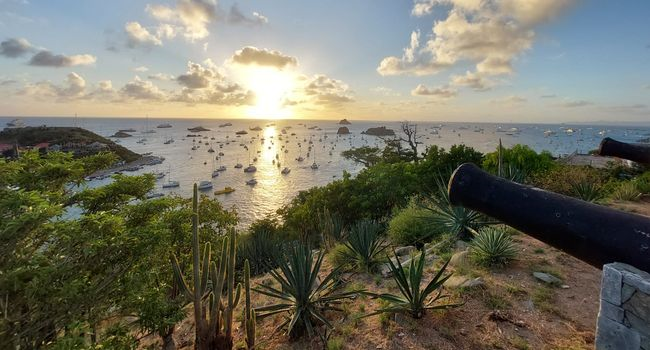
{"x":492,"y":246}
{"x":331,"y":226}
{"x":587,"y":191}
{"x":260,"y":248}
{"x":364,"y":244}
{"x":301,"y":296}
{"x":456,"y":220}
{"x":627,"y":191}
{"x":413,"y":300}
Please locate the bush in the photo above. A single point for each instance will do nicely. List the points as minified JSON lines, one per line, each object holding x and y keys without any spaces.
{"x":587,"y":191}
{"x":626,"y":191}
{"x":412,"y":226}
{"x":260,"y":248}
{"x":563,"y":179}
{"x":338,"y":256}
{"x":492,"y":246}
{"x":643,"y":183}
{"x":520,"y":157}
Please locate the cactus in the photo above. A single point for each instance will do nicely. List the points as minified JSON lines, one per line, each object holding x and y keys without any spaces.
{"x":213,"y":318}
{"x":249,"y":313}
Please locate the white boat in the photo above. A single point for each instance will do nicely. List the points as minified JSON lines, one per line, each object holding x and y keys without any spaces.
{"x":16,"y":123}
{"x":170,"y":140}
{"x":215,"y":173}
{"x":250,"y":169}
{"x":251,"y":182}
{"x":548,"y":133}
{"x":205,"y":185}
{"x":171,"y":184}
{"x":210,"y":150}
{"x":285,"y":171}
{"x":154,"y":195}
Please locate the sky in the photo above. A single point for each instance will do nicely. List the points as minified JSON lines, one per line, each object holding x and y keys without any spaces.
{"x":431,"y":60}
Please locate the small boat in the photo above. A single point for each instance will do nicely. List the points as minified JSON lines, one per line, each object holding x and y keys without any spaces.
{"x":222,"y":168}
{"x":224,"y":125}
{"x":205,"y":185}
{"x":17,"y":123}
{"x":238,"y":166}
{"x":226,"y":190}
{"x":251,"y":182}
{"x":285,"y":171}
{"x":250,"y":169}
{"x":314,"y":166}
{"x":215,"y":173}
{"x":300,"y":159}
{"x":171,"y":184}
{"x":127,"y":130}
{"x":164,"y":126}
{"x":159,"y":175}
{"x":210,"y":150}
{"x":171,"y":140}
{"x":241,"y":132}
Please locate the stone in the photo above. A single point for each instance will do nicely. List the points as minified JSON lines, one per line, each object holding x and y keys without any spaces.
{"x":645,"y":342}
{"x":611,"y":335}
{"x":611,"y":285}
{"x":461,"y":245}
{"x":547,"y":278}
{"x":460,"y":259}
{"x":627,"y":292}
{"x":463,"y":282}
{"x":639,"y":305}
{"x":613,"y":312}
{"x":637,"y":324}
{"x":407,"y":250}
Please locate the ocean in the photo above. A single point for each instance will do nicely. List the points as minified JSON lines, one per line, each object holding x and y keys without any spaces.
{"x":274,"y":189}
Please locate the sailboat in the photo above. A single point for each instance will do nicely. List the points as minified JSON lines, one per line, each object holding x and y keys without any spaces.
{"x":314,"y":165}
{"x":205,"y":185}
{"x":250,"y":168}
{"x":170,"y":183}
{"x":147,"y":130}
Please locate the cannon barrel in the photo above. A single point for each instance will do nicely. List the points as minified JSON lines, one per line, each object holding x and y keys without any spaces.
{"x":631,"y":151}
{"x":595,"y":234}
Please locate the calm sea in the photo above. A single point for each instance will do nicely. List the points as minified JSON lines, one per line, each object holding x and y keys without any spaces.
{"x":274,"y":189}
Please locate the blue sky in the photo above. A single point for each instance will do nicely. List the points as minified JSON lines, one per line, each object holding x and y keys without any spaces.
{"x":473,"y":60}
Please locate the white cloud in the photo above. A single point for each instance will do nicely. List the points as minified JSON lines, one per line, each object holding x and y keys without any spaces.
{"x":235,"y":16}
{"x":141,"y":69}
{"x":74,"y":86}
{"x":490,"y":34}
{"x":263,"y":57}
{"x":474,"y":81}
{"x":382,"y":90}
{"x":204,"y":84}
{"x":575,"y":103}
{"x":137,"y":36}
{"x":323,"y":90}
{"x":139,"y":89}
{"x":509,"y":100}
{"x":46,"y":58}
{"x":161,"y":76}
{"x":442,"y":92}
{"x":192,"y":17}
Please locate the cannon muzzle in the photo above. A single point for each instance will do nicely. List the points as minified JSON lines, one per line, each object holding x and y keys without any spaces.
{"x":592,"y":233}
{"x":630,"y":151}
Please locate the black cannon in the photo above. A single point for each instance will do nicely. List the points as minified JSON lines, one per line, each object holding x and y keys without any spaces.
{"x":632,"y":151}
{"x":595,"y":234}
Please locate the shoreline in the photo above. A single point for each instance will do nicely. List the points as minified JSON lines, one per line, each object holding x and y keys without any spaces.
{"x":148,"y":160}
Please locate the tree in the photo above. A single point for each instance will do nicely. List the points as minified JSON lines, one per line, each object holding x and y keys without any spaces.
{"x":365,"y":155}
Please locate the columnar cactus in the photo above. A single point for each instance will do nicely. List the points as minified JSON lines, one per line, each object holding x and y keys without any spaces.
{"x":212,"y":318}
{"x":249,"y":313}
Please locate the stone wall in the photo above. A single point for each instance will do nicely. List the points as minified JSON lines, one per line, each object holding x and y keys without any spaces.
{"x":624,"y":316}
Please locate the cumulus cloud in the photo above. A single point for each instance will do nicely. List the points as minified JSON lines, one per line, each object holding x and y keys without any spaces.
{"x":442,"y":92}
{"x":235,"y":16}
{"x":160,"y":76}
{"x":263,"y":57}
{"x":192,"y":17}
{"x":139,"y":89}
{"x":46,"y":58}
{"x":74,"y":86}
{"x":202,"y":83}
{"x":323,"y":90}
{"x":490,"y":34}
{"x":472,"y":80}
{"x":138,"y":36}
{"x":15,"y":47}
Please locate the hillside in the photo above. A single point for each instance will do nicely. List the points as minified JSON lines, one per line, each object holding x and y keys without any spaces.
{"x":76,"y":137}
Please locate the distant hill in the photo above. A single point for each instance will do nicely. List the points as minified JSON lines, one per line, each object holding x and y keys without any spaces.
{"x":69,"y":138}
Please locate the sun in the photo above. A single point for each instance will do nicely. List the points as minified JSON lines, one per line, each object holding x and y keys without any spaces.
{"x":271,"y":87}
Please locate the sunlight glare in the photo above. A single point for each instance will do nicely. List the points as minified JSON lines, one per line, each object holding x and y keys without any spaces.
{"x":271,"y":87}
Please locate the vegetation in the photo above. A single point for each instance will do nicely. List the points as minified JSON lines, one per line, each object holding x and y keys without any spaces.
{"x":626,"y":191}
{"x":492,"y":246}
{"x":587,"y":191}
{"x":301,"y":295}
{"x":29,"y":136}
{"x":520,"y":157}
{"x":413,"y":300}
{"x":364,"y":245}
{"x":412,"y":225}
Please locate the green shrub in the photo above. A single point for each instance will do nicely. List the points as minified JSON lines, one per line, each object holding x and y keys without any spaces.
{"x":364,"y":245}
{"x":305,"y":298}
{"x":413,"y":300}
{"x":626,"y":191}
{"x":492,"y":246}
{"x":563,"y":179}
{"x":338,"y":256}
{"x":643,"y":183}
{"x":587,"y":191}
{"x":260,"y":248}
{"x":412,"y":226}
{"x":520,"y":157}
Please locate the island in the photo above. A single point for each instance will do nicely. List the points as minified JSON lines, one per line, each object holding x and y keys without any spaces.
{"x":343,"y":131}
{"x":379,"y":131}
{"x":344,"y":122}
{"x":198,"y":129}
{"x":121,"y":134}
{"x":80,"y":142}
